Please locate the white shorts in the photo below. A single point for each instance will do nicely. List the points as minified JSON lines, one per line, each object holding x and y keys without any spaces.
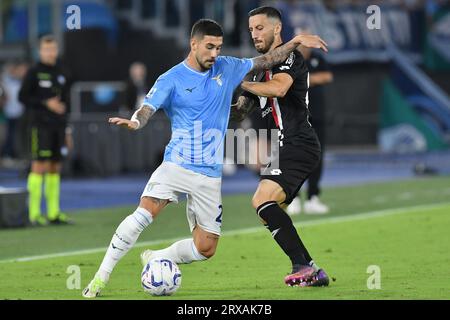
{"x":204,"y":198}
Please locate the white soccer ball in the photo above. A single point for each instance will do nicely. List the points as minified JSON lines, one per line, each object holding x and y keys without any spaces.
{"x":161,"y":277}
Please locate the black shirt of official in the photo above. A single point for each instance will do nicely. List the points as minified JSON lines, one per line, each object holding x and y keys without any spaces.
{"x":41,"y":83}
{"x":316,"y":63}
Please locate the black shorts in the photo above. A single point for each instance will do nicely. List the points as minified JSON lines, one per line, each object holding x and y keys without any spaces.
{"x":47,"y":143}
{"x":296,"y":162}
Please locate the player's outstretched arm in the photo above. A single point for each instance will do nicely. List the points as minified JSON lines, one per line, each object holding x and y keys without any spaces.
{"x":137,"y":121}
{"x":243,"y":107}
{"x":280,"y":54}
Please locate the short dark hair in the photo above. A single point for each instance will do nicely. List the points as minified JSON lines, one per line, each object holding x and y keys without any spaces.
{"x":47,"y":39}
{"x":270,"y":12}
{"x":206,"y":27}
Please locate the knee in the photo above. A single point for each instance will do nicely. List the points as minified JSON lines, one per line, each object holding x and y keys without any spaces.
{"x":207,"y":250}
{"x":38,"y":167}
{"x":258,"y":199}
{"x":152,"y":205}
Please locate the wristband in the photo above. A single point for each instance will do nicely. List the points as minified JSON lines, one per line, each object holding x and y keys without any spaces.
{"x":134,"y":119}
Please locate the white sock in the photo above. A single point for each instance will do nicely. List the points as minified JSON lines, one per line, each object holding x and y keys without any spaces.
{"x":314,"y":265}
{"x":183,"y":251}
{"x":123,"y":240}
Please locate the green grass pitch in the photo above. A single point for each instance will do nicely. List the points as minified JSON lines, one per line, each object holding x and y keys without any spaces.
{"x":401,"y":227}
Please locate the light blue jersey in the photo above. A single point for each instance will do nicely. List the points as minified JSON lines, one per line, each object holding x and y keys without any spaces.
{"x":198,"y":106}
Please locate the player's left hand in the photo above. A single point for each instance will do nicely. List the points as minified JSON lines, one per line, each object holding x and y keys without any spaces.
{"x":129,"y":124}
{"x":312,"y":41}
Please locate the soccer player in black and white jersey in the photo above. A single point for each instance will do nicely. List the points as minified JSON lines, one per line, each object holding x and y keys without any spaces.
{"x":281,"y":94}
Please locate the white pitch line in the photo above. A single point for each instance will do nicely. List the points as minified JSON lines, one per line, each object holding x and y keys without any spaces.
{"x":326,"y":220}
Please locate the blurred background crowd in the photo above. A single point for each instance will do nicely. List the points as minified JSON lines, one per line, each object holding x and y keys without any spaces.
{"x":390,"y":93}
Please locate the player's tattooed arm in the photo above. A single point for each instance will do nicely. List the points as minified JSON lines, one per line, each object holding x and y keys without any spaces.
{"x":280,"y":54}
{"x":142,"y":115}
{"x":243,"y":107}
{"x":137,"y":121}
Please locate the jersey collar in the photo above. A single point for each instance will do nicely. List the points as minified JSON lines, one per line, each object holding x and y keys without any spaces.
{"x":195,"y":71}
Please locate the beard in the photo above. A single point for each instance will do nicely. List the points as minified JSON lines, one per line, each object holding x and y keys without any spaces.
{"x":266,"y":48}
{"x":205,"y":65}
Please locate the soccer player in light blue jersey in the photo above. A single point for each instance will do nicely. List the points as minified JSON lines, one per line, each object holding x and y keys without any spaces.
{"x":196,"y":96}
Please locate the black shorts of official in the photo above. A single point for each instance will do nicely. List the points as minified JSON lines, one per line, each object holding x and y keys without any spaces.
{"x":47,"y":142}
{"x":295,"y":164}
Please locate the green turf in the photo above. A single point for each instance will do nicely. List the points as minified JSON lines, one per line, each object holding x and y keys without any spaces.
{"x":94,"y":228}
{"x":411,"y":248}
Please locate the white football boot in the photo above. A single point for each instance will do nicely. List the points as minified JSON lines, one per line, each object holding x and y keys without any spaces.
{"x":315,"y":206}
{"x":295,"y":207}
{"x":146,"y":256}
{"x":94,"y":287}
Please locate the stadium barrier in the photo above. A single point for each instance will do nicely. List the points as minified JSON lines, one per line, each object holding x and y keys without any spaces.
{"x":101,"y":149}
{"x":13,"y":207}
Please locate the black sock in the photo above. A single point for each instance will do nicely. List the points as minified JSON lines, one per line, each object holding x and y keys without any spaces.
{"x":283,"y":231}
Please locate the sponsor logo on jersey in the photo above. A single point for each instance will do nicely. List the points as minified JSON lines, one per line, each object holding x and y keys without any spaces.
{"x":266,"y":112}
{"x":61,"y":79}
{"x":45,"y":84}
{"x":290,"y":61}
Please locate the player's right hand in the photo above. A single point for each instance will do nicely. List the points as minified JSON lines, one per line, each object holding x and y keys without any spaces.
{"x":55,"y":105}
{"x":129,"y":124}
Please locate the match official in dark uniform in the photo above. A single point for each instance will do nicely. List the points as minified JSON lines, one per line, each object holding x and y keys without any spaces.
{"x":44,"y":92}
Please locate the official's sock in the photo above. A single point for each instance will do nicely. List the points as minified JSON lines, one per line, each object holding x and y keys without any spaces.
{"x":34,"y":186}
{"x":52,"y":187}
{"x":124,"y":239}
{"x":183,"y":251}
{"x":284,"y":233}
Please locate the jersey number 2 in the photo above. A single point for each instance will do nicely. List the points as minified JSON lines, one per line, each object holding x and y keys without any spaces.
{"x":219,"y":217}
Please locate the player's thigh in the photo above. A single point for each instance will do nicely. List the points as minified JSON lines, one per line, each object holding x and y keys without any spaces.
{"x":268,"y":190}
{"x":41,"y":143}
{"x":161,"y":189}
{"x":40,"y":166}
{"x":54,"y":166}
{"x":204,"y":205}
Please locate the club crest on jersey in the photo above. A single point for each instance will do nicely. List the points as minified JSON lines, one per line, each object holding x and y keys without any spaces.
{"x":61,"y":79}
{"x":218,"y":79}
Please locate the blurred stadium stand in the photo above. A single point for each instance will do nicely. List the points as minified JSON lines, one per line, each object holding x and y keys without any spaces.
{"x":370,"y":81}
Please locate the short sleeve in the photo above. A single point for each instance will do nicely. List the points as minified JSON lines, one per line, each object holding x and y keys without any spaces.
{"x":294,"y":66}
{"x":238,"y":68}
{"x":159,"y":95}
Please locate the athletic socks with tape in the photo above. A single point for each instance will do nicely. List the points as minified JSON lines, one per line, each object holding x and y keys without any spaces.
{"x":124,"y":239}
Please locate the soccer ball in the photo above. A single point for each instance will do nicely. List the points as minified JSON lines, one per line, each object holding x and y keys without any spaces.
{"x":161,"y":277}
